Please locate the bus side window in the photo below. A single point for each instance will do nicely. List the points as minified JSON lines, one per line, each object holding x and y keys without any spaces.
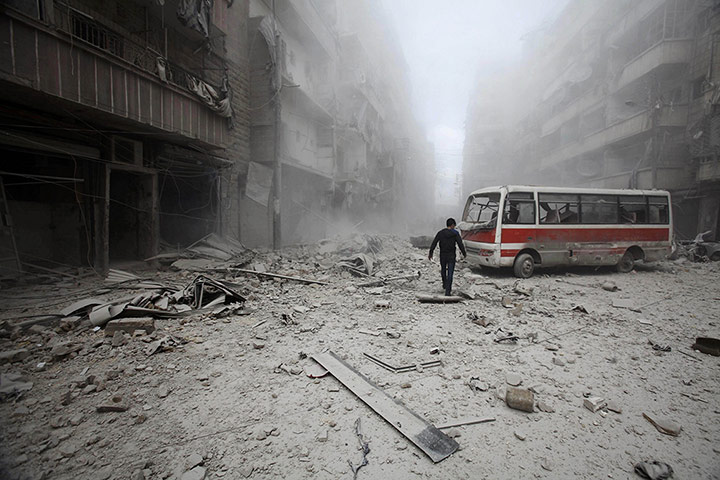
{"x":658,"y":207}
{"x":633,"y":209}
{"x":559,"y":208}
{"x":519,"y":209}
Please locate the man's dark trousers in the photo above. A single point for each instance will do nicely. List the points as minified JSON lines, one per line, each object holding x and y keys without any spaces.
{"x":447,"y":268}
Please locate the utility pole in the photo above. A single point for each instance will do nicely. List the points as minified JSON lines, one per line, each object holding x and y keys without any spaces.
{"x":277,"y":177}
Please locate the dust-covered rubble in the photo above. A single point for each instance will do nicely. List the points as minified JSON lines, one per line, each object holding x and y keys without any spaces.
{"x":229,"y":389}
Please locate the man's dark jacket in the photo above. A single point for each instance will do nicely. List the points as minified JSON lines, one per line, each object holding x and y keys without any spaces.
{"x":447,"y":238}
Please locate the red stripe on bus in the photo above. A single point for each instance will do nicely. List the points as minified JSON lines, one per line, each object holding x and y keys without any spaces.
{"x":483,"y":237}
{"x":508,"y":253}
{"x":592,"y":235}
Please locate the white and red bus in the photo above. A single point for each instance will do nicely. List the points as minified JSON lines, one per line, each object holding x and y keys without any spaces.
{"x":526,"y":227}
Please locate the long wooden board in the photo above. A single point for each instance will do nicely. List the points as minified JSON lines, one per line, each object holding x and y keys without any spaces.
{"x":426,"y":437}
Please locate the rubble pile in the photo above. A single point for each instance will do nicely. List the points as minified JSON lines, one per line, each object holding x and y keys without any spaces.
{"x":199,"y":373}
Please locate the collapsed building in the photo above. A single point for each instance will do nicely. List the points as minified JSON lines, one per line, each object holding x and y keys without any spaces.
{"x":129,"y":127}
{"x":609,"y":94}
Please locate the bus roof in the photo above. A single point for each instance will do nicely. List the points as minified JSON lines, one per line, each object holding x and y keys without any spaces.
{"x":587,"y":191}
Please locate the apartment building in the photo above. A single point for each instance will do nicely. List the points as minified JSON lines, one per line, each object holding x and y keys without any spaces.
{"x":331,"y":118}
{"x":122,"y":123}
{"x":614,"y":94}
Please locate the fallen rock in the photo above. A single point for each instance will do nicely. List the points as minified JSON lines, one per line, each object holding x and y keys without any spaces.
{"x":12,"y":356}
{"x":193,"y":461}
{"x":513,"y":379}
{"x":13,"y":383}
{"x":545,"y":407}
{"x":614,"y":407}
{"x":558,"y":361}
{"x":197,"y":473}
{"x":520,"y":399}
{"x":520,"y":435}
{"x":594,"y":403}
{"x":114,"y":404}
{"x":118,"y":339}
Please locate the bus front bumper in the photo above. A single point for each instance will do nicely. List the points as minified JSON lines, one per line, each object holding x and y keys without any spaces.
{"x":483,"y":254}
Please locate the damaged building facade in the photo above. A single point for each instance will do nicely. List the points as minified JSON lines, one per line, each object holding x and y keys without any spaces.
{"x":120,"y":127}
{"x":133,"y":127}
{"x":331,"y":119}
{"x":611,"y":94}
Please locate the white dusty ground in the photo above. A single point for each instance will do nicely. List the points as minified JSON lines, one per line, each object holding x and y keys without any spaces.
{"x":222,"y":398}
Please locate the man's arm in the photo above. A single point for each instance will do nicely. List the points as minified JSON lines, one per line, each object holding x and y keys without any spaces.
{"x":459,"y":241}
{"x":433,"y":245}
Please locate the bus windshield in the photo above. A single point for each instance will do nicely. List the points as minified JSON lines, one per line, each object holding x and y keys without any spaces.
{"x":481,"y":211}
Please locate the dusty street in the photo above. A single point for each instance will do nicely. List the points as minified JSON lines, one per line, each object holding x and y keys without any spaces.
{"x":230,"y":396}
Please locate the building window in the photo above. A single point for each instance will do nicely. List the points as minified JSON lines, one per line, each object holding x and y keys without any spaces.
{"x":97,"y":35}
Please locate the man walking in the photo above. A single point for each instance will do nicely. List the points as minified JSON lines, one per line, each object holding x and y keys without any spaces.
{"x":447,"y":237}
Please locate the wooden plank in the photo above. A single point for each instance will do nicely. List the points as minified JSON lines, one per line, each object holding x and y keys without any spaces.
{"x":426,"y":437}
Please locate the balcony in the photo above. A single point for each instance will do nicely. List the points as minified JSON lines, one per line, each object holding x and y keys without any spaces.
{"x":83,"y":62}
{"x":666,"y":54}
{"x":624,"y":131}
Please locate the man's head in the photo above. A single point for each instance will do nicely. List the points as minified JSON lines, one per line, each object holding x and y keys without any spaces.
{"x":450,"y":222}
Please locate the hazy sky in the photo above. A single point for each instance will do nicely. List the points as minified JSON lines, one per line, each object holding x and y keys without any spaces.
{"x":445,"y":44}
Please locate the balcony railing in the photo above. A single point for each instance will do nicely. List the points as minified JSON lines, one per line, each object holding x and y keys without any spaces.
{"x":85,"y":28}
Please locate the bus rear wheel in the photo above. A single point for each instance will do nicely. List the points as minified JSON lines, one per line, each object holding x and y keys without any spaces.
{"x":524,"y":266}
{"x":626,"y":263}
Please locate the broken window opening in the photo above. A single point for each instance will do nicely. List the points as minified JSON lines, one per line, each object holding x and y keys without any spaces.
{"x":633,"y":209}
{"x":559,"y":208}
{"x":519,"y":209}
{"x":482,"y":210}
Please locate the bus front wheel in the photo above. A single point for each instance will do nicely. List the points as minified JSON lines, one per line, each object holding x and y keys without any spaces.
{"x":524,"y":266}
{"x":626,"y":263}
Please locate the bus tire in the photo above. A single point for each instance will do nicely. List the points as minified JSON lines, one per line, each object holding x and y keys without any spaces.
{"x":524,"y":266}
{"x":626,"y":263}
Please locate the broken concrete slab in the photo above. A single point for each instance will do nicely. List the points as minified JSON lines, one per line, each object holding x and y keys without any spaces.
{"x":114,"y":404}
{"x":197,"y":473}
{"x":426,"y":437}
{"x":12,"y":356}
{"x":11,"y":383}
{"x":130,"y":325}
{"x":594,"y":403}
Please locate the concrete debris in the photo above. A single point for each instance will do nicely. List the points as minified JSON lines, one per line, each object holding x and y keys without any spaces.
{"x":12,"y":356}
{"x":197,"y":473}
{"x":13,"y":383}
{"x":113,"y":404}
{"x":594,"y":403}
{"x":543,"y":406}
{"x":520,"y":399}
{"x":130,"y":325}
{"x":74,"y":406}
{"x":663,"y":424}
{"x":513,"y":379}
{"x":654,"y":470}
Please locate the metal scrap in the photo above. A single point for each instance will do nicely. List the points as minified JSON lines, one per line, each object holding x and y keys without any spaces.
{"x":406,"y":368}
